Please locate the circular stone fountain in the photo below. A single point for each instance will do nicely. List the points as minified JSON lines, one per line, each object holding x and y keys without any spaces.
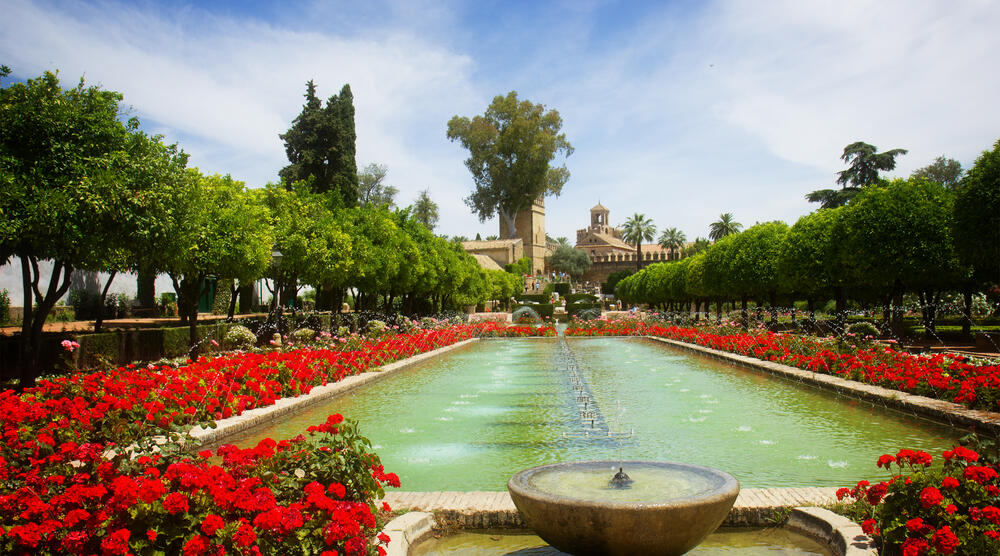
{"x":667,"y":508}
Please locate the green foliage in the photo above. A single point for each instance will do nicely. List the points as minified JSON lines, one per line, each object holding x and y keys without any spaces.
{"x":724,"y":226}
{"x":372,"y":189}
{"x":805,"y":252}
{"x":589,"y":314}
{"x":609,"y":287}
{"x":533,"y":297}
{"x":98,"y":350}
{"x":580,"y":297}
{"x":635,"y":230}
{"x":240,"y":337}
{"x":525,"y":314}
{"x":4,"y":306}
{"x":945,"y":171}
{"x":521,"y":267}
{"x":425,"y":210}
{"x":561,"y":288}
{"x":306,"y":335}
{"x":320,"y":146}
{"x":699,"y":245}
{"x":977,"y":217}
{"x":672,"y":239}
{"x":865,"y":163}
{"x":574,"y":309}
{"x":569,"y":260}
{"x":898,"y":235}
{"x":510,"y":149}
{"x":753,"y":262}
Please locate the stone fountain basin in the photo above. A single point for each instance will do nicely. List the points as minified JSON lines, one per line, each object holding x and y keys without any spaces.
{"x":655,"y":523}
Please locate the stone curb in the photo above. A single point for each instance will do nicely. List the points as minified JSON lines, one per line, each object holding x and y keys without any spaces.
{"x":407,"y":530}
{"x":942,"y":411}
{"x":841,"y":535}
{"x":266,"y":414}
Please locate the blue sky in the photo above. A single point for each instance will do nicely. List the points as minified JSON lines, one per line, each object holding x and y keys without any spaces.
{"x":679,"y":110}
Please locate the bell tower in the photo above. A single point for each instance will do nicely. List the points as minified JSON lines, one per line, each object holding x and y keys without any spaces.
{"x":529,"y":224}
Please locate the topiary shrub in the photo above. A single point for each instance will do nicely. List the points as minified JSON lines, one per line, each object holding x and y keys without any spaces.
{"x":562,"y":288}
{"x":303,"y":335}
{"x":240,"y":337}
{"x":375,"y":328}
{"x":525,"y":315}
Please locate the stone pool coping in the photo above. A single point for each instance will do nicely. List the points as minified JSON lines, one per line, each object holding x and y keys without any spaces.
{"x":766,"y":507}
{"x":942,"y":411}
{"x":262,"y":415}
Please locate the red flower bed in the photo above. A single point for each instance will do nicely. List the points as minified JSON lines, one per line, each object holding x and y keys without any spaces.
{"x":67,"y":486}
{"x":943,"y":376}
{"x":922,"y":510}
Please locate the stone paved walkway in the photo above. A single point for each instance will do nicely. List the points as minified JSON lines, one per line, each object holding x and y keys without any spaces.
{"x":754,"y":507}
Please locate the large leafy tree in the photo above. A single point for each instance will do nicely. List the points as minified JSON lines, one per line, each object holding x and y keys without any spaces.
{"x":898,"y":238}
{"x":511,"y":147}
{"x":569,"y":260}
{"x":425,"y":210}
{"x":672,"y":239}
{"x":946,"y":171}
{"x":864,"y":164}
{"x":802,"y":261}
{"x":222,"y":231}
{"x":320,"y":146}
{"x":61,"y":152}
{"x":372,"y":189}
{"x":724,"y":226}
{"x":977,"y":217}
{"x":635,"y":230}
{"x":754,"y":264}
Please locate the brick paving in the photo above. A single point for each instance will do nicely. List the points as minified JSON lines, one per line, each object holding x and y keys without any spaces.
{"x":478,"y":509}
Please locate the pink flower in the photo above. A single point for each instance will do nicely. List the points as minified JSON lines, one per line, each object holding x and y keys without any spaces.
{"x":69,"y":345}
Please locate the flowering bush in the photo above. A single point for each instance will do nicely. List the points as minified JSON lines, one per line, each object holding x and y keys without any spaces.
{"x":240,"y":337}
{"x":923,"y":510}
{"x":944,"y":376}
{"x":305,"y":495}
{"x":303,"y":335}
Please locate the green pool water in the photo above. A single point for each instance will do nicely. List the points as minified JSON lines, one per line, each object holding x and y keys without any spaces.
{"x":724,"y":542}
{"x":472,"y":418}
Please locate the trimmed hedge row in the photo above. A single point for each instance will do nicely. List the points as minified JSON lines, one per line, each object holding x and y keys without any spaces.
{"x":574,"y":308}
{"x":580,"y":297}
{"x":543,"y":309}
{"x":536,"y":297}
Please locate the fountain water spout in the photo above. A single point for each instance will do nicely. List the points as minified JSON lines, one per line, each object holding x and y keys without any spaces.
{"x":620,"y":480}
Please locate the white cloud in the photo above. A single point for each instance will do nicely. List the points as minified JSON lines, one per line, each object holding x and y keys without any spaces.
{"x":679,"y":112}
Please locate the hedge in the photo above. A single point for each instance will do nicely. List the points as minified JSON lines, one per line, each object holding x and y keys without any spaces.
{"x":578,"y":297}
{"x":562,"y":288}
{"x":574,"y":308}
{"x":543,"y":309}
{"x":536,"y":297}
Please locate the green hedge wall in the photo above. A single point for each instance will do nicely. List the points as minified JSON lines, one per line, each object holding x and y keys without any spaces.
{"x":578,"y":297}
{"x":536,"y":297}
{"x":574,"y":308}
{"x":543,"y":309}
{"x":98,"y":349}
{"x":562,"y":288}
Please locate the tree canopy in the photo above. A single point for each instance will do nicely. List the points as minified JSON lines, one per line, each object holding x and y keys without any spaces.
{"x":636,"y":229}
{"x":372,"y":189}
{"x":320,"y":146}
{"x":723,"y":227}
{"x":569,"y":260}
{"x":425,"y":210}
{"x":945,"y":171}
{"x":864,"y":164}
{"x":977,"y":217}
{"x":511,"y":147}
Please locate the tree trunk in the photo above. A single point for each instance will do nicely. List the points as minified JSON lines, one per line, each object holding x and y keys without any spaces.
{"x":638,"y":254}
{"x":773,"y":300}
{"x":100,"y":306}
{"x":840,"y":308}
{"x":34,"y":318}
{"x":897,"y":310}
{"x":234,"y":294}
{"x":510,"y":220}
{"x":967,"y":311}
{"x":146,"y":288}
{"x":718,"y":310}
{"x":744,"y":313}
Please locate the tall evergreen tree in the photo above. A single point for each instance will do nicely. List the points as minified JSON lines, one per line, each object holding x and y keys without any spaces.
{"x":320,"y":146}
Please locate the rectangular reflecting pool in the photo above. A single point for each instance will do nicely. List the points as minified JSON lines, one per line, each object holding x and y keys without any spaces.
{"x":472,"y":418}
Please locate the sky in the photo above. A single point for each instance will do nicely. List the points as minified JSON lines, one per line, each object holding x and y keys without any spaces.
{"x":678,"y":110}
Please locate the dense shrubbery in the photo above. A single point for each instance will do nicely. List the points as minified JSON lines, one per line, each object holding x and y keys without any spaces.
{"x":925,"y":510}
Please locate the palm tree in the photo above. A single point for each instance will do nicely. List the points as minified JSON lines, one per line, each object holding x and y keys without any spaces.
{"x":672,"y":239}
{"x":723,"y":227}
{"x":635,"y":230}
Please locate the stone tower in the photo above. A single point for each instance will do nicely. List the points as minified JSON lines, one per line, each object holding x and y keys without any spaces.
{"x":530,"y":226}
